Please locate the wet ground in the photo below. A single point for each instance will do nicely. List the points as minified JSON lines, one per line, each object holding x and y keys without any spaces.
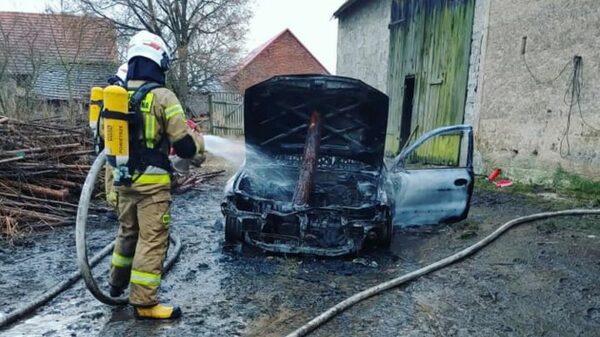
{"x":540,"y":279}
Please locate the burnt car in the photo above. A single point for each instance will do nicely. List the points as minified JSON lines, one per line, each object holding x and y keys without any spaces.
{"x":314,"y":179}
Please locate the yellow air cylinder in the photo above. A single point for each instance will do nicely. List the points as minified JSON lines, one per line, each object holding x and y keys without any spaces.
{"x":116,"y":131}
{"x":96,"y":96}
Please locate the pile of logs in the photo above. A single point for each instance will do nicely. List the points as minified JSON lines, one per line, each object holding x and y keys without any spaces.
{"x":43,"y":164}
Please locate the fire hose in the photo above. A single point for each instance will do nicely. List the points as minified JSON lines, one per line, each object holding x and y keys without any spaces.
{"x":82,"y":258}
{"x":350,"y":301}
{"x":85,"y":265}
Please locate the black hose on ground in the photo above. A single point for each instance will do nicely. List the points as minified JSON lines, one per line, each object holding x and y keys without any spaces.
{"x":82,"y":258}
{"x":350,"y":301}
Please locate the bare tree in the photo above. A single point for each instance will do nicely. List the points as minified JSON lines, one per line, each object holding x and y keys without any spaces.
{"x":207,"y":35}
{"x":72,"y":48}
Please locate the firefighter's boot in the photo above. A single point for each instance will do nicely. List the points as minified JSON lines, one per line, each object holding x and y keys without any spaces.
{"x":158,"y":311}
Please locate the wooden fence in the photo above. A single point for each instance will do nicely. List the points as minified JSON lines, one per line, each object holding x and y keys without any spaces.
{"x":226,"y":111}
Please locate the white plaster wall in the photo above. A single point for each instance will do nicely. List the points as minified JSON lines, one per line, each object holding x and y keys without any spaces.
{"x":521,"y":123}
{"x":363,"y":42}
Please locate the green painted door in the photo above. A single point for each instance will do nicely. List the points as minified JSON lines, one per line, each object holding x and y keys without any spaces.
{"x":430,"y":43}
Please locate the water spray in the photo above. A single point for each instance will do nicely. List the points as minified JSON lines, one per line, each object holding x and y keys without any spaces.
{"x":231,"y":150}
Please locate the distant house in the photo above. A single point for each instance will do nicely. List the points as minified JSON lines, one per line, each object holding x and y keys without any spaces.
{"x":281,"y":55}
{"x":512,"y":69}
{"x":56,"y":57}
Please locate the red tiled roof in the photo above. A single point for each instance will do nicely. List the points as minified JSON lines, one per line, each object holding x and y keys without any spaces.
{"x":57,"y":37}
{"x":260,"y":49}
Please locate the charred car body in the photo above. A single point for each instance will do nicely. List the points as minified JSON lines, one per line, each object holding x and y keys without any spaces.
{"x":314,"y":179}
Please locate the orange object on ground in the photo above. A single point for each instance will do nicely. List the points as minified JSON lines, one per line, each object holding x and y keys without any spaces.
{"x":504,"y":183}
{"x":495,"y":173}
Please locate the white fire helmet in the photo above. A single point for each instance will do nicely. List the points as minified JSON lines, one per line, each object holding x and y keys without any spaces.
{"x":150,"y":46}
{"x":122,"y":72}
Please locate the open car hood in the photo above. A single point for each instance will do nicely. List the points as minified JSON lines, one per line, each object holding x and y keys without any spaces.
{"x":354,"y":116}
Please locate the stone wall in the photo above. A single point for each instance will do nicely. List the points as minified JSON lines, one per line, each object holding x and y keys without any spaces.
{"x":523,"y":123}
{"x":363,"y":42}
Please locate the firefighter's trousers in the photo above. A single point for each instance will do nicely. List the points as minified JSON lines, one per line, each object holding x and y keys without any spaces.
{"x":141,"y":245}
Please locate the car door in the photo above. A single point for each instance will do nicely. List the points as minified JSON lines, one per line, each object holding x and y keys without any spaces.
{"x":431,"y":181}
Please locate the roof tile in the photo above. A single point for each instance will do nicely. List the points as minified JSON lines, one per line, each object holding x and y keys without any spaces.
{"x":62,"y":37}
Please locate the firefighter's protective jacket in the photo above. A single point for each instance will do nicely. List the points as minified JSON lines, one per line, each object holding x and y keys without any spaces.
{"x":163,"y":117}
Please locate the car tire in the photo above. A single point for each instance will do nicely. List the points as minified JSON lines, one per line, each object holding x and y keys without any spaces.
{"x":233,"y":230}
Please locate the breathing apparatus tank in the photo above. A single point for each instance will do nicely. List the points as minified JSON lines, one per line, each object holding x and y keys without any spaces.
{"x":96,"y":96}
{"x":116,"y":131}
{"x":95,"y":107}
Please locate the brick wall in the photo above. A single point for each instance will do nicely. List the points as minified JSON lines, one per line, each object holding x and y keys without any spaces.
{"x":285,"y":55}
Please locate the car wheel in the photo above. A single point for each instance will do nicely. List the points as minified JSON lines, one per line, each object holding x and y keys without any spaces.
{"x":233,"y":230}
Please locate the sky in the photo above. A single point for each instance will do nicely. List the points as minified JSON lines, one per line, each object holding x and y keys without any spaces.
{"x":310,"y":20}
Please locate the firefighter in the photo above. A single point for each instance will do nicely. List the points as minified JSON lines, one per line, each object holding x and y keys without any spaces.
{"x":144,"y":197}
